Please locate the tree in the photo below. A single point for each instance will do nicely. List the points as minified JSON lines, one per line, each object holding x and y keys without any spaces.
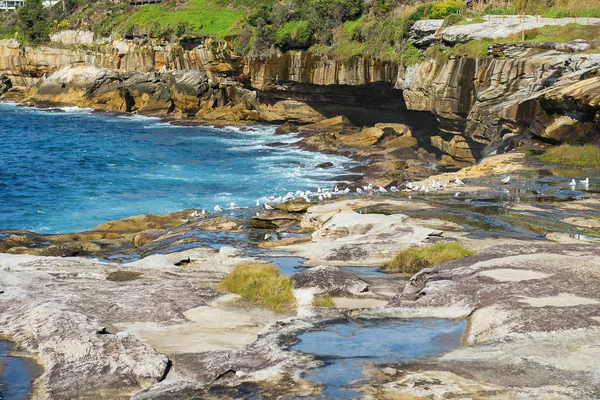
{"x":33,"y":20}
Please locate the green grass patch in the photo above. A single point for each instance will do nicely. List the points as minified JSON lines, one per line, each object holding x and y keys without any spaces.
{"x":323,"y":301}
{"x":201,"y":16}
{"x":260,"y":284}
{"x":582,"y":156}
{"x":415,"y":259}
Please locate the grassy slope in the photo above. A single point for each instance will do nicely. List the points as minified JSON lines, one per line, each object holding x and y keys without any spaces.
{"x":202,"y":16}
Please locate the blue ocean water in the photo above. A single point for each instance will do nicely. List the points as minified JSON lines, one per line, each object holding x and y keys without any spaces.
{"x":72,"y":170}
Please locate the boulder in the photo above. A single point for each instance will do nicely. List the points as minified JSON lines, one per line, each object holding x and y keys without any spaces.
{"x":329,"y":280}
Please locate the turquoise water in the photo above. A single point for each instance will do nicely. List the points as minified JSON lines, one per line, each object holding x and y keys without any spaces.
{"x":72,"y":170}
{"x":345,"y":347}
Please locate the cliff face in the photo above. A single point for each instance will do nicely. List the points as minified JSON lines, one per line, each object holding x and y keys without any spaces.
{"x":463,"y":108}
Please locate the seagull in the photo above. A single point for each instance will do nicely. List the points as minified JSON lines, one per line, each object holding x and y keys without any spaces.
{"x":335,"y":189}
{"x":307,"y":199}
{"x":370,"y":187}
{"x":394,"y":189}
{"x":203,"y":211}
{"x":382,"y":189}
{"x":233,"y":206}
{"x":195,"y":214}
{"x":257,"y":203}
{"x":457,"y":194}
{"x":585,"y":182}
{"x":409,"y":185}
{"x":268,"y":207}
{"x":365,"y":188}
{"x":347,"y":190}
{"x":318,"y":189}
{"x":359,"y":190}
{"x":217,"y":208}
{"x":505,"y":180}
{"x":458,"y":181}
{"x":321,"y":197}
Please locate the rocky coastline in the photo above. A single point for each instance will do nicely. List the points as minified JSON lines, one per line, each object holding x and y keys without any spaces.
{"x":136,"y":302}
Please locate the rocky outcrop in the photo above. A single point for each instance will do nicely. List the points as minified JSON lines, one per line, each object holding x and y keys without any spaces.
{"x":304,"y":67}
{"x":488,"y":104}
{"x":179,"y":93}
{"x":5,"y":84}
{"x":532,"y":309}
{"x":329,"y":280}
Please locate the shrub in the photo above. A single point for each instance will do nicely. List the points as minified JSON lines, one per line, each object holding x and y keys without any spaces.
{"x":583,"y":156}
{"x":414,"y":259}
{"x":323,"y":301}
{"x":58,"y":26}
{"x":442,"y":9}
{"x":32,"y":19}
{"x":294,"y":34}
{"x":260,"y":284}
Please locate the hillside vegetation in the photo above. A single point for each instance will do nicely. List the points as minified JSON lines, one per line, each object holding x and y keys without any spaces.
{"x":338,"y":28}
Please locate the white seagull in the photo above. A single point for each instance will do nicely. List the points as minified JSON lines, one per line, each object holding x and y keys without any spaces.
{"x":359,"y":190}
{"x":505,"y":180}
{"x":257,"y":203}
{"x":217,"y":208}
{"x":394,"y":189}
{"x":382,"y":189}
{"x":458,"y":181}
{"x":268,"y":207}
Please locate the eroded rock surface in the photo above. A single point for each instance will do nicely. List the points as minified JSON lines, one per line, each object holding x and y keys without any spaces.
{"x":534,"y":318}
{"x":329,"y":280}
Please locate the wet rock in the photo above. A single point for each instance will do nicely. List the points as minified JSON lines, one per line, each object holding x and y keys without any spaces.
{"x":286,"y":128}
{"x":324,"y":165}
{"x":329,"y":280}
{"x":583,"y":222}
{"x":146,"y":236}
{"x":274,"y":220}
{"x":293,"y":206}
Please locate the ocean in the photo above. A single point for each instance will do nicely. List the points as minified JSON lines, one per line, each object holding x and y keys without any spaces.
{"x":70,"y":169}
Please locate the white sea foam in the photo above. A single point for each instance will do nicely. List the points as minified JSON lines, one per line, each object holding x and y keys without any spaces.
{"x":76,"y":110}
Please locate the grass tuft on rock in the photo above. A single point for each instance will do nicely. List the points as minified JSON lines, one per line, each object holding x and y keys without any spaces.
{"x":323,"y":301}
{"x":582,"y":156}
{"x":416,"y":258}
{"x":260,"y":284}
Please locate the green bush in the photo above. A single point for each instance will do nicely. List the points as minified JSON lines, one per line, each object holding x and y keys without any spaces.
{"x":32,"y":19}
{"x":415,"y":259}
{"x":294,"y":34}
{"x":260,"y":284}
{"x":442,"y":9}
{"x":58,"y":26}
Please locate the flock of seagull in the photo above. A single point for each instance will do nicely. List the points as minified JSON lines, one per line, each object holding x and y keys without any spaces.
{"x":322,"y":194}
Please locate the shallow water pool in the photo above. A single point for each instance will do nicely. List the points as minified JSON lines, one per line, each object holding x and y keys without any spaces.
{"x":345,"y":348}
{"x":16,"y":374}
